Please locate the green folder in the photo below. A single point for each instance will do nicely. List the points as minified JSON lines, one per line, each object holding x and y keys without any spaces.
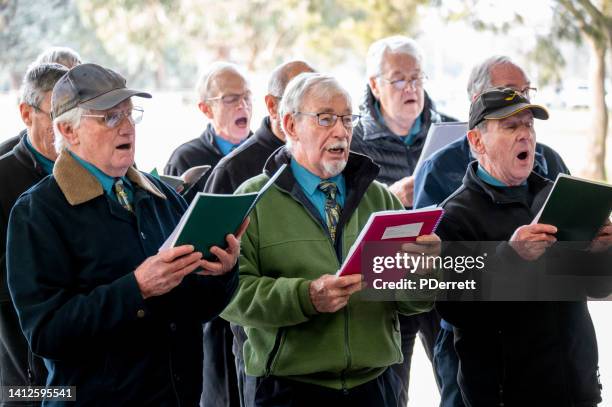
{"x":186,"y":181}
{"x":577,"y":207}
{"x":211,"y":217}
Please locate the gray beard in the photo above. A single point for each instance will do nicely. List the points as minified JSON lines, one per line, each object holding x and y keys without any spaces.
{"x":334,"y":168}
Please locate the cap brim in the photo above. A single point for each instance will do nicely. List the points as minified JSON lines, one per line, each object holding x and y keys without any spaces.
{"x":112,"y":98}
{"x":539,"y":112}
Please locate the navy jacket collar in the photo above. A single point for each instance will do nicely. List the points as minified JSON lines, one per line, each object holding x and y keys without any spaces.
{"x":264,"y":136}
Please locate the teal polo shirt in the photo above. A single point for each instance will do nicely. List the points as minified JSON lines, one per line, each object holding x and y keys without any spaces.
{"x":225,"y":146}
{"x":490,"y":179}
{"x":45,"y":163}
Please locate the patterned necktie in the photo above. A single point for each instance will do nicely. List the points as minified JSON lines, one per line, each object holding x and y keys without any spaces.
{"x":122,"y":196}
{"x":332,"y":207}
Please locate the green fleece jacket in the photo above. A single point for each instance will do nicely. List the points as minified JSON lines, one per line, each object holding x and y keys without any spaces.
{"x":286,"y":247}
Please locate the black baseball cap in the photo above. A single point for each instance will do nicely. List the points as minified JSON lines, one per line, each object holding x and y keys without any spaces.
{"x":90,"y":86}
{"x":499,"y":103}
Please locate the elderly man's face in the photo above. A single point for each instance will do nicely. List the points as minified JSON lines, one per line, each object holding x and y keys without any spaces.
{"x":231,"y":112}
{"x":400,"y":105}
{"x":109,"y":149}
{"x":40,"y":126}
{"x":321,"y":150}
{"x":507,"y":148}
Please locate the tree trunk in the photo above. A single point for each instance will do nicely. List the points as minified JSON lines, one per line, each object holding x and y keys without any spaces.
{"x":595,"y":167}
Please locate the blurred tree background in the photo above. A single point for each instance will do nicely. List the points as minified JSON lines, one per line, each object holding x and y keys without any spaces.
{"x":164,"y":40}
{"x":578,"y":22}
{"x":162,"y":44}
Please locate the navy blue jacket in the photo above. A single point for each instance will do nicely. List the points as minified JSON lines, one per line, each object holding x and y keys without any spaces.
{"x":441,"y":174}
{"x":71,"y":255}
{"x":515,"y":353}
{"x":7,"y":145}
{"x":19,"y":171}
{"x":244,"y":162}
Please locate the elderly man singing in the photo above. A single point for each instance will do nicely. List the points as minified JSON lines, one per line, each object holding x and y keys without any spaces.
{"x":510,"y":353}
{"x":310,"y":341}
{"x":108,"y":312}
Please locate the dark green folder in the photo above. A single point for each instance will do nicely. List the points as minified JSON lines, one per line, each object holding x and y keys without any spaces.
{"x":577,"y":207}
{"x":211,"y":217}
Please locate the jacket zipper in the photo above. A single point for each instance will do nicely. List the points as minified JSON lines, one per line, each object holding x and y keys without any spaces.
{"x":274,"y":351}
{"x":347,"y":351}
{"x":30,"y":370}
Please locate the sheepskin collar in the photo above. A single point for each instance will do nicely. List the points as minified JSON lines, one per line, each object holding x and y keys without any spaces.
{"x":78,"y":185}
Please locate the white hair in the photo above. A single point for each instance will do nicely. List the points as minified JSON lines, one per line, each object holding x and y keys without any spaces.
{"x":71,"y":117}
{"x":311,"y":84}
{"x":59,"y":55}
{"x":38,"y":81}
{"x":397,"y":44}
{"x":480,"y":77}
{"x":206,"y":80}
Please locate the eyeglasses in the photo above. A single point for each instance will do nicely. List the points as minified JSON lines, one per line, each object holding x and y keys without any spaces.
{"x":330,"y":119}
{"x":113,"y":118}
{"x":234,"y":98}
{"x":528,"y":92}
{"x":400,"y":84}
{"x":38,"y":109}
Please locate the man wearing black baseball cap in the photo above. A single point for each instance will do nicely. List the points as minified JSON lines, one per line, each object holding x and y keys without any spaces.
{"x":511,"y":353}
{"x":501,"y":128}
{"x":500,"y":103}
{"x":108,"y":311}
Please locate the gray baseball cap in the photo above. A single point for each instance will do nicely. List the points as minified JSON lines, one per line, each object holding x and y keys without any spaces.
{"x":90,"y":86}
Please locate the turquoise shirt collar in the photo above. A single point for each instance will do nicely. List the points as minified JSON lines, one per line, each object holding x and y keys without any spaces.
{"x":225,"y":146}
{"x":105,"y":180}
{"x":310,"y":182}
{"x":490,"y":179}
{"x":45,"y":163}
{"x":414,"y":130}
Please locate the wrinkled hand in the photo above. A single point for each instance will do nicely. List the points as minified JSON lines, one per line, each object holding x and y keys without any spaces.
{"x":226,"y":258}
{"x":531,"y":241}
{"x":161,"y":273}
{"x":404,"y":190}
{"x":603,"y":240}
{"x":330,"y":293}
{"x":425,"y":245}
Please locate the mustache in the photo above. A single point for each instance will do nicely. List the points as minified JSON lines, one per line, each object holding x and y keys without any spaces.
{"x":338,"y":144}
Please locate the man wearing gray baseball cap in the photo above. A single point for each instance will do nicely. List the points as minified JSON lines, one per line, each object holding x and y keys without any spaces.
{"x":109,"y":312}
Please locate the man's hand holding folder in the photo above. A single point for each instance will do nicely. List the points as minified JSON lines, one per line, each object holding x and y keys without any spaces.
{"x":425,"y":245}
{"x":330,"y":293}
{"x":226,"y":258}
{"x":160,"y":273}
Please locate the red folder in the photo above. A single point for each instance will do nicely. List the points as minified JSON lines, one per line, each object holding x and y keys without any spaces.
{"x":391,"y":226}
